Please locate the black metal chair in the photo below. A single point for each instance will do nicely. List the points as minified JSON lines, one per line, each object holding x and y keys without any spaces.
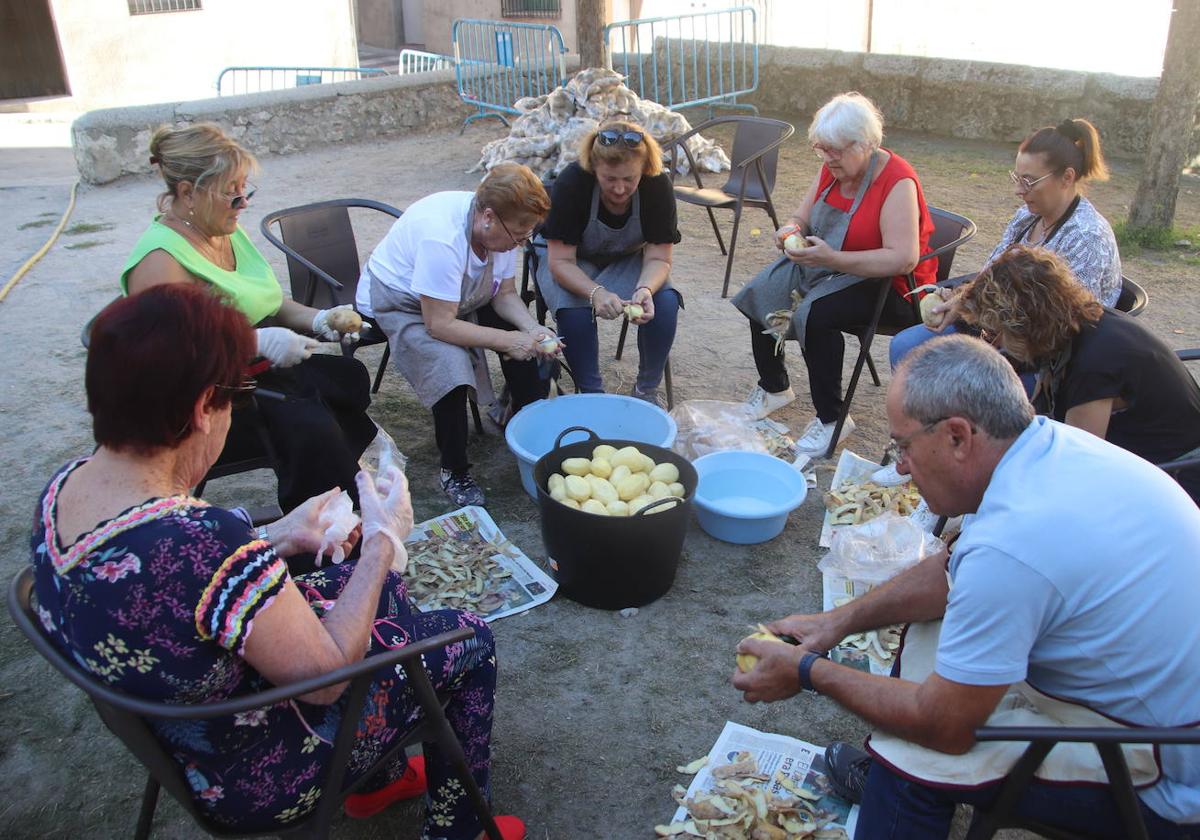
{"x":1133,"y":298}
{"x":754,"y":160}
{"x":128,"y":718}
{"x":950,"y":232}
{"x":1042,"y":739}
{"x":322,"y":259}
{"x":530,"y":293}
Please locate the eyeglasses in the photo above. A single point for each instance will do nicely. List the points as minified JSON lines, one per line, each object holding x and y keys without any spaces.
{"x":897,"y":448}
{"x":1024,"y":183}
{"x":240,"y":393}
{"x":236,"y":202}
{"x":823,"y":151}
{"x":611,"y":137}
{"x":517,"y":243}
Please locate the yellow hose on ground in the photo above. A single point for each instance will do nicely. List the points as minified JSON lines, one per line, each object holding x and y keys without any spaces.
{"x":41,"y":252}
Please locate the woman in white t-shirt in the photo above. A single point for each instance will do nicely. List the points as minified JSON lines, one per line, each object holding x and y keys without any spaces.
{"x":441,"y":286}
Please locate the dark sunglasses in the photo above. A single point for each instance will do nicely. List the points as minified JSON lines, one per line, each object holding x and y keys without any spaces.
{"x":628,"y":139}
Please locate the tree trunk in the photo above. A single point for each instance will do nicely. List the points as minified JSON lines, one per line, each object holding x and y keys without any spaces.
{"x":589,"y":29}
{"x":1172,"y":120}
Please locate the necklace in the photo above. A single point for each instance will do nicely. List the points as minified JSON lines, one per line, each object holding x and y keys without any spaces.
{"x":219,"y":256}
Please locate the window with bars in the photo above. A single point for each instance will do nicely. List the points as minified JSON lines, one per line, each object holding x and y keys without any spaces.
{"x":153,"y":7}
{"x":531,"y":8}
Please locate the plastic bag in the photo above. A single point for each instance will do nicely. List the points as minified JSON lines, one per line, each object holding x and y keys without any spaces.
{"x":380,"y":454}
{"x":706,"y":426}
{"x":339,"y":519}
{"x":878,"y":550}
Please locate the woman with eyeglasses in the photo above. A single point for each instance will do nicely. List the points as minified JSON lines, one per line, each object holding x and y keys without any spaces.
{"x":863,"y":216}
{"x":1052,"y":169}
{"x":609,"y":238}
{"x":1097,"y":369}
{"x":168,"y":598}
{"x":321,"y":427}
{"x":441,"y":285}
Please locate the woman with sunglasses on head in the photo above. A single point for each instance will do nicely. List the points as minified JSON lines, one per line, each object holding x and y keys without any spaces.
{"x":1097,"y":369}
{"x":321,"y":427}
{"x":1052,"y":168}
{"x":864,"y":216}
{"x":441,"y":285}
{"x":167,"y":598}
{"x":609,"y":238}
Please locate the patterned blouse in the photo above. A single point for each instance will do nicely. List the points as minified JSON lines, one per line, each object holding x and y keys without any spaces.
{"x":1085,"y":241}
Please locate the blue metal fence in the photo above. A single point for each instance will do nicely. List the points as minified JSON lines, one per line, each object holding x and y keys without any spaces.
{"x":685,"y":61}
{"x":497,"y":63}
{"x":417,"y":61}
{"x":234,"y":80}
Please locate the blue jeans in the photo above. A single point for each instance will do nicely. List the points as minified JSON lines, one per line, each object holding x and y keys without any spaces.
{"x":654,"y":341}
{"x":905,"y":341}
{"x":896,"y":808}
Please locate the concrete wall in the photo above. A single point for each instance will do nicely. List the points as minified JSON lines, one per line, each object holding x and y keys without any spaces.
{"x":381,"y":23}
{"x":114,"y":142}
{"x":440,"y":16}
{"x":114,"y":58}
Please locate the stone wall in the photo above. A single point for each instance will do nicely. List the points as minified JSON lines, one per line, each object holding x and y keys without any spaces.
{"x":113,"y":142}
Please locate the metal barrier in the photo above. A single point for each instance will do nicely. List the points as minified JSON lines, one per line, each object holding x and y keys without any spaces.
{"x":259,"y":79}
{"x":416,"y":61}
{"x":498,"y":63}
{"x":685,"y":61}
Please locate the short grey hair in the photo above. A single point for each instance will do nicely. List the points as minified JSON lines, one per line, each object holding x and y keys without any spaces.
{"x":961,"y":376}
{"x":847,"y":118}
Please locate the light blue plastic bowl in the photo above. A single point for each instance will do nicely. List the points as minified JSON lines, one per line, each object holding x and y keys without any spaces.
{"x":745,"y":497}
{"x":531,"y":432}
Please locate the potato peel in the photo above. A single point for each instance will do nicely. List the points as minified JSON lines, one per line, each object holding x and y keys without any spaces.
{"x":692,"y":767}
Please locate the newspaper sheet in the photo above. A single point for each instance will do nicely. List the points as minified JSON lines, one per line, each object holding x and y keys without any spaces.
{"x":803,"y":763}
{"x":462,"y":560}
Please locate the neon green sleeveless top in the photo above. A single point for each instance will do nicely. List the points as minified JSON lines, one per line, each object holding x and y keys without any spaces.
{"x":251,"y":287}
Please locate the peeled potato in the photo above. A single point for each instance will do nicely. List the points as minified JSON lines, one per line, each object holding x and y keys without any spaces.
{"x":633,"y":310}
{"x":618,"y":473}
{"x":555,"y":479}
{"x":593,"y":506}
{"x":932,"y":319}
{"x":604,"y":451}
{"x":558,"y":492}
{"x":602,"y":491}
{"x":578,"y":488}
{"x":601,"y":467}
{"x":657,"y":490}
{"x":629,"y":487}
{"x":747,"y":661}
{"x":628,"y":456}
{"x":618,"y":508}
{"x":661,"y":508}
{"x":647,"y":464}
{"x":577,"y":466}
{"x":571,"y":503}
{"x":638,"y":503}
{"x":676,"y":489}
{"x":665,"y":472}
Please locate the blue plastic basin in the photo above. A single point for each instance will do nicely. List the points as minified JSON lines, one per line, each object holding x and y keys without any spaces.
{"x":745,"y":497}
{"x":531,"y":432}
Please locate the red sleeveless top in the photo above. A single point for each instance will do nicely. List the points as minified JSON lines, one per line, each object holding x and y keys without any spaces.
{"x":864,"y":234}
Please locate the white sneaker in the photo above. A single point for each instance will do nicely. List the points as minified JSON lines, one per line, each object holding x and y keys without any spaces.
{"x":760,"y":403}
{"x":889,"y":476}
{"x":817,"y":436}
{"x":924,"y":518}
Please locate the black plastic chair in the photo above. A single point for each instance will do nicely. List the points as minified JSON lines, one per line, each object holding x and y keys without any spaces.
{"x":128,"y":718}
{"x":1042,"y":739}
{"x":1133,"y":298}
{"x":949,"y":233}
{"x":322,"y":259}
{"x":530,"y":293}
{"x":754,"y":160}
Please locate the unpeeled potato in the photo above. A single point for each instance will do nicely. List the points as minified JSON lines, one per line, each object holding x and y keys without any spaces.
{"x":344,"y":321}
{"x":932,"y":319}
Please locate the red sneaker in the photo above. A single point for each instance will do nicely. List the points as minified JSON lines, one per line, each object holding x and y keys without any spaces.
{"x":511,"y":828}
{"x":409,"y":786}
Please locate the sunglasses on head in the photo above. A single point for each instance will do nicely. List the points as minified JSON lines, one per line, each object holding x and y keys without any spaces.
{"x":629,"y":139}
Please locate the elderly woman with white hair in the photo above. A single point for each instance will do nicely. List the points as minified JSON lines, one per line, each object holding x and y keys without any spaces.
{"x":864,"y":216}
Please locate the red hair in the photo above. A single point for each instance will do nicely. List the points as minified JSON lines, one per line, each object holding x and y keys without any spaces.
{"x":152,"y":355}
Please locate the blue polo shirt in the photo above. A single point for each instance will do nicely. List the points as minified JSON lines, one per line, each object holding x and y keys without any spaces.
{"x":1080,"y":573}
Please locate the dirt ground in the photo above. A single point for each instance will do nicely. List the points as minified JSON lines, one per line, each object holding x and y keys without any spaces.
{"x":594,"y":710}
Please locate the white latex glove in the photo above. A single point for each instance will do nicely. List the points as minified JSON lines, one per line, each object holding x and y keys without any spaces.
{"x":323,"y":323}
{"x":386,"y":510}
{"x":338,"y":519}
{"x":283,"y":347}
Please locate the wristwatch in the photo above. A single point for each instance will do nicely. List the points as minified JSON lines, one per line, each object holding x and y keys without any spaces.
{"x":805,"y":670}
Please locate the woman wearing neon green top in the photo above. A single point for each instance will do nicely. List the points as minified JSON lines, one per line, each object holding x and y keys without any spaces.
{"x":321,"y":427}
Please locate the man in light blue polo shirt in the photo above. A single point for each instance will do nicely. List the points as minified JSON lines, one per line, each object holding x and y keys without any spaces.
{"x":1078,"y":571}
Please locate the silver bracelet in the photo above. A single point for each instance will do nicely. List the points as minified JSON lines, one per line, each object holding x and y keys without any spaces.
{"x":262,"y":533}
{"x":592,"y":296}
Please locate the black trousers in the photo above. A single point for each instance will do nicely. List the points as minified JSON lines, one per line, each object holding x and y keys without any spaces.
{"x":450,"y":412}
{"x":318,"y":431}
{"x":824,"y":344}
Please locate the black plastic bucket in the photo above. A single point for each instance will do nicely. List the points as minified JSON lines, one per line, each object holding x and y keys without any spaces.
{"x":613,"y":562}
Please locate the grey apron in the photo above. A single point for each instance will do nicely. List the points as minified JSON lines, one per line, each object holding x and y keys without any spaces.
{"x":785,"y":286}
{"x":611,"y":257}
{"x":435,"y":368}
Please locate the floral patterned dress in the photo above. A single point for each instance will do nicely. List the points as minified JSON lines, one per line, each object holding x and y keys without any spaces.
{"x":159,"y":602}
